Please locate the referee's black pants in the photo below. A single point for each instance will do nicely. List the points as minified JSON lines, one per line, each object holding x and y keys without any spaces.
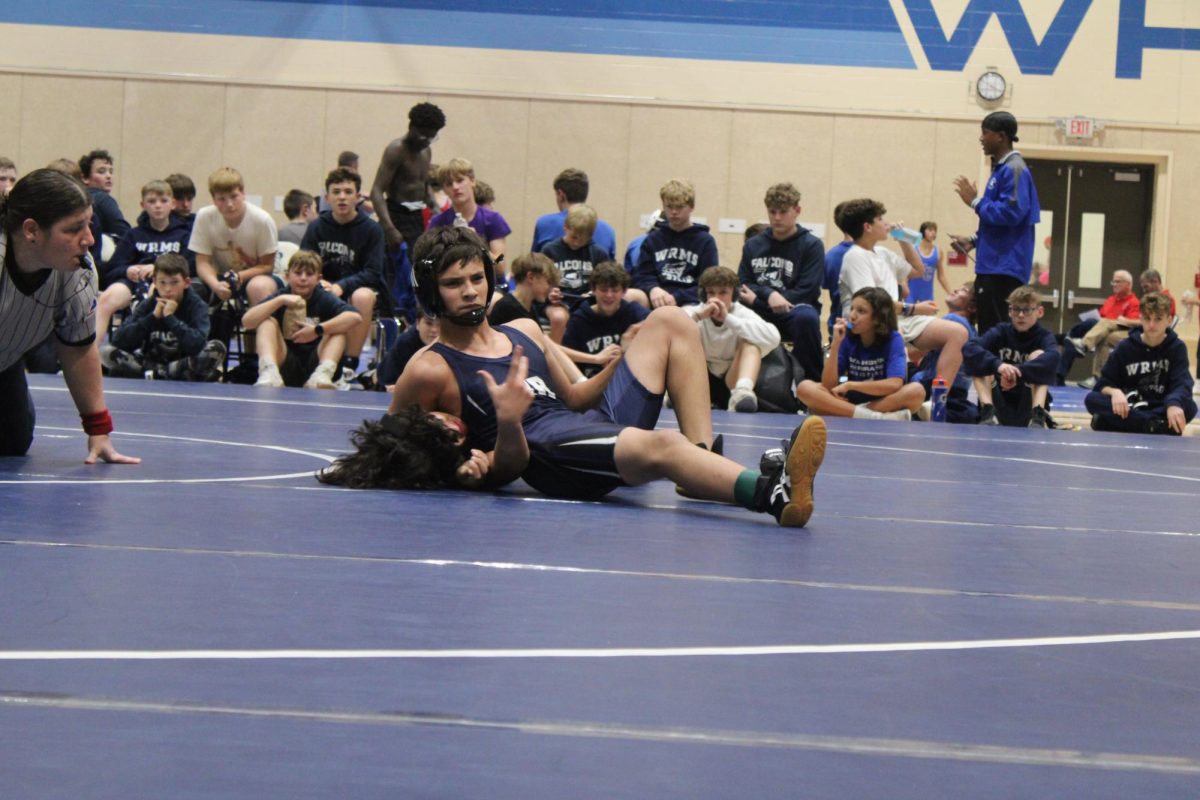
{"x":16,"y":412}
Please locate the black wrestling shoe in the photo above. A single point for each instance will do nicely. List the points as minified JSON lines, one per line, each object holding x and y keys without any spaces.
{"x":987,"y":414}
{"x":786,"y":486}
{"x":1039,"y":418}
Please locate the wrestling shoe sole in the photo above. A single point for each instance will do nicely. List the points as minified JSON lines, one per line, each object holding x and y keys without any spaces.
{"x":803,"y":460}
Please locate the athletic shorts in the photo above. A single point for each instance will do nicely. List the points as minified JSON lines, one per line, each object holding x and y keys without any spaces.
{"x":298,"y":364}
{"x":574,"y":455}
{"x":911,"y":328}
{"x":410,"y":223}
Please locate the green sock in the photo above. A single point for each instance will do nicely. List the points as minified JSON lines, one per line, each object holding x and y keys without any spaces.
{"x":745,"y":487}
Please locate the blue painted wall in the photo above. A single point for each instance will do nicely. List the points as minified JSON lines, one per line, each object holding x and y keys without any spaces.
{"x":862,"y":33}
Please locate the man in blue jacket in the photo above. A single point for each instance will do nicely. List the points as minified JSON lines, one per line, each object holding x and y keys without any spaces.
{"x":1008,"y":211}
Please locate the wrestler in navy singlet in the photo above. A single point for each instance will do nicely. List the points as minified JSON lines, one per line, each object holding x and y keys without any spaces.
{"x":571,"y":454}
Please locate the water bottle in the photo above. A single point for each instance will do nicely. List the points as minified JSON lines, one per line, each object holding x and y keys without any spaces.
{"x":938,"y":400}
{"x":906,"y":235}
{"x":460,"y":221}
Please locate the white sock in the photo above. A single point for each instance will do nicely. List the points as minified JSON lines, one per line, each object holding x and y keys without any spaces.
{"x":744,"y":383}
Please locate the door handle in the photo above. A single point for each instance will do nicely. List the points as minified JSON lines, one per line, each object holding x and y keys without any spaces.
{"x":1054,"y":301}
{"x":1070,"y":298}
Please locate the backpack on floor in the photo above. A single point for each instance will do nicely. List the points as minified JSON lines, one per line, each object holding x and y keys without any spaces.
{"x":776,"y":382}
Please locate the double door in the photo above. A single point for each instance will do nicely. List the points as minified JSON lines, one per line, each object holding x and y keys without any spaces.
{"x":1095,"y":220}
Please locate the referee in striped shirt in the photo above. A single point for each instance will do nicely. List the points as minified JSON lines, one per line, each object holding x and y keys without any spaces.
{"x":47,"y":285}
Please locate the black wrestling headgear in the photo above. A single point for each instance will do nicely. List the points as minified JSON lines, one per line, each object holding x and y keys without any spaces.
{"x":437,"y":250}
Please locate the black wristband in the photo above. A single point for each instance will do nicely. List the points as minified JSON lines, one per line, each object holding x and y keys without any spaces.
{"x":320,"y":329}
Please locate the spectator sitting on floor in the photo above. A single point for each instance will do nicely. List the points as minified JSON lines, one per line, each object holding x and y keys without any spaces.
{"x":833,"y":273}
{"x":351,"y":246}
{"x":407,"y":345}
{"x":634,"y":251}
{"x":868,"y":264}
{"x":183,"y":192}
{"x":782,"y":270}
{"x":675,"y":252}
{"x":1119,"y":312}
{"x":485,"y":195}
{"x":300,"y":209}
{"x":167,"y":334}
{"x":960,"y":409}
{"x":300,"y":331}
{"x":868,"y":351}
{"x":1151,"y":281}
{"x":97,"y":170}
{"x":598,"y":327}
{"x":128,"y":273}
{"x":234,"y":242}
{"x":1020,"y":356}
{"x":571,"y":189}
{"x":1145,"y":386}
{"x":535,"y":276}
{"x":734,"y":339}
{"x":575,"y":254}
{"x":457,"y":177}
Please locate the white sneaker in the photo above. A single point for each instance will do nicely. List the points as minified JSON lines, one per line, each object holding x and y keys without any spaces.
{"x":926,"y":411}
{"x":322,"y":377}
{"x":268,"y":375}
{"x":743,"y":400}
{"x":347,"y":382}
{"x":106,"y":355}
{"x":1079,"y":344}
{"x":903,"y":415}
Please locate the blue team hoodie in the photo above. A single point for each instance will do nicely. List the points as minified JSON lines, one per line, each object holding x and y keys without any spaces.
{"x":1008,"y":211}
{"x":794,"y":267}
{"x":106,"y":218}
{"x":143,"y":244}
{"x":673,"y":260}
{"x":1004,"y":344}
{"x":181,"y":334}
{"x":1159,"y":374}
{"x":351,"y":254}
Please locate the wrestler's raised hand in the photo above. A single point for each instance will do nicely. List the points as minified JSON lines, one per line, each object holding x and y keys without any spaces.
{"x":512,"y":398}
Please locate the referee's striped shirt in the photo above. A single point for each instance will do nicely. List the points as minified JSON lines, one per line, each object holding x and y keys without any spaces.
{"x":63,"y":302}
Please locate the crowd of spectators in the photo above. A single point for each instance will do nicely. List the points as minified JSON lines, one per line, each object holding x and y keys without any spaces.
{"x":177,"y":289}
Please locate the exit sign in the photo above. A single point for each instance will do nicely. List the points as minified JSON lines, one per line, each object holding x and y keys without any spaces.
{"x":1081,"y":129}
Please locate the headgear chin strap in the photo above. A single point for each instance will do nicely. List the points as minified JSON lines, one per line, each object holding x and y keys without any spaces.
{"x":472,"y":319}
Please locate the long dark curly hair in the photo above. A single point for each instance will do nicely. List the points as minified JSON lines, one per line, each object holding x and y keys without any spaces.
{"x":409,"y":450}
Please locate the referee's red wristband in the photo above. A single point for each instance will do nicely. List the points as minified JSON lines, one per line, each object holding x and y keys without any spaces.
{"x":98,"y":424}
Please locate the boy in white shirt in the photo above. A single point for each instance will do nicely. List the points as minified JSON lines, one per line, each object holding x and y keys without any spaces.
{"x":734,"y":338}
{"x":234,"y":242}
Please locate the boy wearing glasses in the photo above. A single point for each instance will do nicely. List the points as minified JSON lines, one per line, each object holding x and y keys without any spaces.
{"x":1021,"y":356}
